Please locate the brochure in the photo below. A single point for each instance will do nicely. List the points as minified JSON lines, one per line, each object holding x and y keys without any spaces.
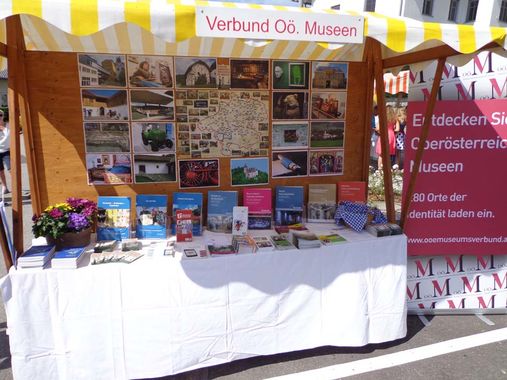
{"x":220,"y":205}
{"x":113,"y":218}
{"x":151,"y":213}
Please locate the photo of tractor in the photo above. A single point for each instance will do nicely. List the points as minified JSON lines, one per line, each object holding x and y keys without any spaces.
{"x":154,"y":137}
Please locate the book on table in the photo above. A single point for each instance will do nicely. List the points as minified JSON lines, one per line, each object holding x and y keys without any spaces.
{"x":113,"y":218}
{"x":289,"y":205}
{"x":189,"y":201}
{"x":243,"y":244}
{"x":260,"y":208}
{"x":304,"y":239}
{"x":220,"y":249}
{"x":331,"y":239}
{"x":281,"y":242}
{"x":36,"y":256}
{"x":321,"y":202}
{"x":68,"y":258}
{"x":151,"y":211}
{"x":220,"y":205}
{"x":183,"y":226}
{"x":263,"y":243}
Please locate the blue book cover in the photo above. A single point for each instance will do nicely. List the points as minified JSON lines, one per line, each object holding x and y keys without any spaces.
{"x":220,"y":205}
{"x":151,"y":211}
{"x":37,"y":251}
{"x":189,"y":201}
{"x":69,"y":253}
{"x":289,"y":205}
{"x":113,"y":218}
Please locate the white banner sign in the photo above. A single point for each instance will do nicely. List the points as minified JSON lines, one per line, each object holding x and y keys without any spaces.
{"x":271,"y":24}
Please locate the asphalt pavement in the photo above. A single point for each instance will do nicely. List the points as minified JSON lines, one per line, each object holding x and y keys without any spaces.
{"x":429,"y":351}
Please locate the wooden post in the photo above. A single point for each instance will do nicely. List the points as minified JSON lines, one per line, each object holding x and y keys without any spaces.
{"x":368,"y":57}
{"x":384,"y":138}
{"x":26,"y":121}
{"x":422,"y":140}
{"x":13,"y":55}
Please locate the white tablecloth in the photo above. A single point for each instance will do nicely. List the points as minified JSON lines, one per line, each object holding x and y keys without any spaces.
{"x":160,"y":315}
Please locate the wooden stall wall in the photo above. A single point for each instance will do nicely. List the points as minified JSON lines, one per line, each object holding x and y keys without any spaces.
{"x":53,"y":86}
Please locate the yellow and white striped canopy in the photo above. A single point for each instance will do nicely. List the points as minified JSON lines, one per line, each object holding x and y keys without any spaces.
{"x":168,"y":27}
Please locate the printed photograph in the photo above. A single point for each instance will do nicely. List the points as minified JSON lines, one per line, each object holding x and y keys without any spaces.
{"x":289,"y":164}
{"x":329,"y":162}
{"x":153,"y":137}
{"x":223,"y":73}
{"x":107,"y":137}
{"x":288,"y":75}
{"x":156,"y":105}
{"x":151,"y":216}
{"x":249,"y":171}
{"x":196,"y":72}
{"x":101,"y":70}
{"x":198,"y":173}
{"x":327,"y":134}
{"x":108,"y":169}
{"x":329,"y":105}
{"x":107,"y":105}
{"x":152,"y":168}
{"x":150,"y":71}
{"x":290,"y":105}
{"x":249,"y":73}
{"x":289,"y":136}
{"x":330,"y":75}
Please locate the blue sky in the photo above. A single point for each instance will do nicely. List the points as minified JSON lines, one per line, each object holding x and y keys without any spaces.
{"x":258,"y":163}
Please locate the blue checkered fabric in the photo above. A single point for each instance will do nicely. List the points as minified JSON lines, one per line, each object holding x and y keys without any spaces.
{"x":356,"y":215}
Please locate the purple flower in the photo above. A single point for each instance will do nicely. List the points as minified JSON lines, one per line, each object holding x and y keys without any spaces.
{"x":77,"y":222}
{"x":56,"y":213}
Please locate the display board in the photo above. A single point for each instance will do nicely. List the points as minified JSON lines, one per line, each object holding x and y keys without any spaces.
{"x":459,"y":215}
{"x":107,"y":120}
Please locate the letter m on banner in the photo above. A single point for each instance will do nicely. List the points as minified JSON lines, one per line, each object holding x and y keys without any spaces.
{"x":422,"y":270}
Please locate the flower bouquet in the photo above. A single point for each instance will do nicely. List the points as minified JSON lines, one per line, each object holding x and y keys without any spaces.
{"x":66,"y":224}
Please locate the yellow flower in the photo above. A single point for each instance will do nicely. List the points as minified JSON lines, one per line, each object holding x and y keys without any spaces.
{"x":62,"y":206}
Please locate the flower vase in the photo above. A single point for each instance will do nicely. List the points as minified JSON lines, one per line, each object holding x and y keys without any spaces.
{"x":71,"y":239}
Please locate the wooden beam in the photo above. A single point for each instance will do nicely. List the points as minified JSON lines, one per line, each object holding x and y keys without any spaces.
{"x":430,"y":54}
{"x":4,"y":245}
{"x":26,"y":123}
{"x":422,"y":140}
{"x":384,"y":138}
{"x":3,"y":50}
{"x":370,"y":78}
{"x":13,"y":24}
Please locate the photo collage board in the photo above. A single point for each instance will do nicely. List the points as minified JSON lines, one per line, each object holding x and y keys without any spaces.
{"x":158,"y":119}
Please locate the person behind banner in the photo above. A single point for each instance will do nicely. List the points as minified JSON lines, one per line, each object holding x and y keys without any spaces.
{"x":391,"y":125}
{"x":400,"y":138}
{"x":5,"y":151}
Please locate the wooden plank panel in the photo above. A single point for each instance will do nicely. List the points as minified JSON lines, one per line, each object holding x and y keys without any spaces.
{"x":56,"y":113}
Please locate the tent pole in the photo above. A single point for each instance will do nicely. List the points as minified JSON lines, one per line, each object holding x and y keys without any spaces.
{"x":4,"y":245}
{"x":382,"y":112}
{"x":368,"y":57}
{"x":26,"y":121}
{"x":14,"y":123}
{"x":422,"y":140}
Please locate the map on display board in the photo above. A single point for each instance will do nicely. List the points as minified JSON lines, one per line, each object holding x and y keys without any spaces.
{"x":222,"y":123}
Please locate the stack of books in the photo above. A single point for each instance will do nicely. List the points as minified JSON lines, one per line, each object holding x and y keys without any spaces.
{"x":281,"y":242}
{"x":304,"y":239}
{"x":68,"y":258}
{"x":36,"y":257}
